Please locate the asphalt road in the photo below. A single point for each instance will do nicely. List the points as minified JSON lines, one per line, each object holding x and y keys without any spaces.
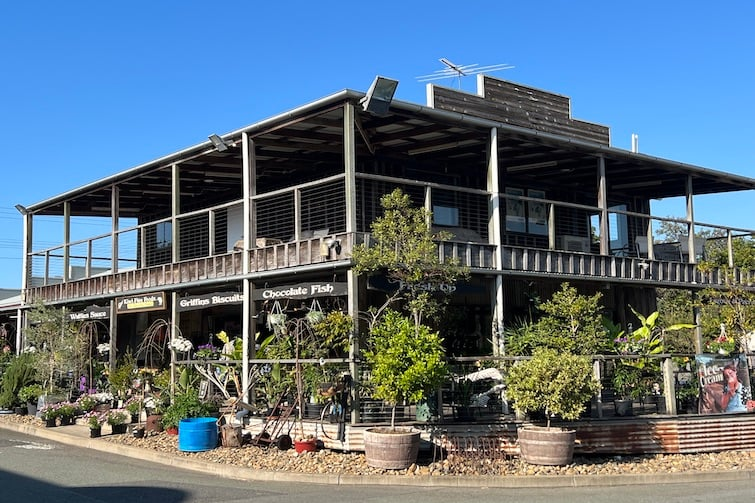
{"x":33,"y":469}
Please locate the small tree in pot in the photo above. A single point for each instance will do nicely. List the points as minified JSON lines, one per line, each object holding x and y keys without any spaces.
{"x":407,"y":357}
{"x":408,"y":363}
{"x":555,"y":384}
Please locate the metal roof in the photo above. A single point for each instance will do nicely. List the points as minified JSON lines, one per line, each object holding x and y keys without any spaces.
{"x":412,"y":132}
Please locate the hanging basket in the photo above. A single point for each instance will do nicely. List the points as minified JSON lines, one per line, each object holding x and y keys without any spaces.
{"x":276,"y":319}
{"x":315,"y":314}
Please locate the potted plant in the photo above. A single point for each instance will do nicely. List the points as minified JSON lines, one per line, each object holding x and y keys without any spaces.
{"x":86,"y":403}
{"x":94,"y":422}
{"x":185,"y":405}
{"x":29,"y":395}
{"x":408,"y":362}
{"x":134,"y":407}
{"x":555,"y":384}
{"x":117,"y":421}
{"x":627,"y":382}
{"x":66,"y":412}
{"x":49,"y":414}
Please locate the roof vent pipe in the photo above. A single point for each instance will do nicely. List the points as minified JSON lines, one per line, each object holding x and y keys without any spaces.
{"x":635,"y":143}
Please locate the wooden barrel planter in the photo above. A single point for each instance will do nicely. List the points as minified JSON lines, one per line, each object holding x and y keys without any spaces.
{"x":391,"y":449}
{"x":547,"y":446}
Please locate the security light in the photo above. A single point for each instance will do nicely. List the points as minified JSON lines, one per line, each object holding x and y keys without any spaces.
{"x":218,"y":143}
{"x":379,"y":96}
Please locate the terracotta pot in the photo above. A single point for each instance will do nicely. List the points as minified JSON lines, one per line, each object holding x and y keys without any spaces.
{"x":172,"y":430}
{"x":305,"y":445}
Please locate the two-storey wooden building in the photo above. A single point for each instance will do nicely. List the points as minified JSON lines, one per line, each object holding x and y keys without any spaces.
{"x":212,"y":236}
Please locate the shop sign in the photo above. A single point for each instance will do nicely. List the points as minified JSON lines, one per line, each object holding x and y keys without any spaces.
{"x":140,"y":303}
{"x":385,"y":284}
{"x":192,"y":302}
{"x":90,"y":313}
{"x":302,"y":291}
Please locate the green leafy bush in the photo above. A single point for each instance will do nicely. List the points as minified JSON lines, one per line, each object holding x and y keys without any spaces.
{"x":552,"y":383}
{"x":185,"y":405}
{"x":19,"y":373}
{"x":408,"y":360}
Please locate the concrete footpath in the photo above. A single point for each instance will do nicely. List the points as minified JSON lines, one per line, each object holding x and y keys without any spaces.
{"x":78,"y":435}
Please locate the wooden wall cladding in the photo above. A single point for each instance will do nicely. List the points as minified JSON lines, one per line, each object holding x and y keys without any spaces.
{"x":521,"y":106}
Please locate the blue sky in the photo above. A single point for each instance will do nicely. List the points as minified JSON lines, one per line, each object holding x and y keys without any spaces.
{"x":93,"y":88}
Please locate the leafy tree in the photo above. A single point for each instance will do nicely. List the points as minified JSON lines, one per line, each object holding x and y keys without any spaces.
{"x":572,"y":323}
{"x":56,"y":342}
{"x":402,"y":247}
{"x":408,"y":362}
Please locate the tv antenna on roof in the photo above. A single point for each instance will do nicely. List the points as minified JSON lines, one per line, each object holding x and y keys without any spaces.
{"x":459,"y":71}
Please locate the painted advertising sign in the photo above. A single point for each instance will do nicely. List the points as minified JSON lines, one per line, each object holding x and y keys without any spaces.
{"x":90,"y":313}
{"x":192,"y":302}
{"x":301,"y":291}
{"x":140,"y":303}
{"x":724,"y":383}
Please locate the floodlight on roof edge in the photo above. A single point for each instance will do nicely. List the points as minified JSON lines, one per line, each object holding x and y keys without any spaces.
{"x":379,"y":96}
{"x":218,"y":143}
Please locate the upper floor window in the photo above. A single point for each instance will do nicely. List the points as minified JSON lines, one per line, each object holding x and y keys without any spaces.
{"x":163,"y":235}
{"x":446,"y":215}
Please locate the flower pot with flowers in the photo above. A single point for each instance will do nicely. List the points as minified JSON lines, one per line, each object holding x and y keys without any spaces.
{"x":95,"y":421}
{"x":134,"y":407}
{"x":86,"y":403}
{"x":49,"y":414}
{"x":66,"y":412}
{"x":117,"y":421}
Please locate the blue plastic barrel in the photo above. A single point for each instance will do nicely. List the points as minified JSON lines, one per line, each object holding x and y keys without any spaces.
{"x":197,"y":434}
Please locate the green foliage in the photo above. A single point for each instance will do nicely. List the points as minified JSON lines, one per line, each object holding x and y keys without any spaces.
{"x":743,"y":251}
{"x":116,"y":417}
{"x":18,"y":373}
{"x":675,"y":306}
{"x":402,"y":247}
{"x":521,"y":337}
{"x":552,"y":382}
{"x":572,"y":323}
{"x":627,"y":381}
{"x":734,"y":307}
{"x":56,"y":341}
{"x":407,"y":362}
{"x":123,"y":374}
{"x":332,"y":334}
{"x":185,"y":405}
{"x":30,"y":393}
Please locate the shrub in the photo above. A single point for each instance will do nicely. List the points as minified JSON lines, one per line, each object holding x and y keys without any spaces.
{"x":553,"y":383}
{"x":408,"y":360}
{"x":185,"y":405}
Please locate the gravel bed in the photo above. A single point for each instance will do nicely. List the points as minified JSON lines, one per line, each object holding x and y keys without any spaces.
{"x":327,"y":461}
